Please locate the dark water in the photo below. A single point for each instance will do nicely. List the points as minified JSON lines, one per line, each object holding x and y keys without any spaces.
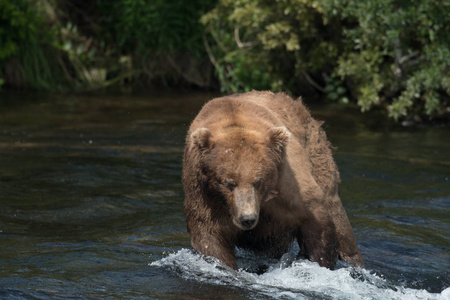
{"x":91,"y":207}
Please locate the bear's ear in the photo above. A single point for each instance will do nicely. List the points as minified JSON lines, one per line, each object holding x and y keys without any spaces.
{"x":278,"y":138}
{"x":201,"y":137}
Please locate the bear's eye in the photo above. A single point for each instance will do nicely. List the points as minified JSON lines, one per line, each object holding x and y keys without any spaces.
{"x":257,"y":183}
{"x":230,"y":184}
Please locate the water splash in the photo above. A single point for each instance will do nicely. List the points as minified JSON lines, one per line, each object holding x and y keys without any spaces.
{"x":288,"y":278}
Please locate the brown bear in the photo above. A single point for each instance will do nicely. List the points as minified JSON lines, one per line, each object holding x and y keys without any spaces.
{"x":258,"y":173}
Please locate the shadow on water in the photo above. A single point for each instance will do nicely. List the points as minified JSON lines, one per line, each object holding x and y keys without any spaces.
{"x":90,"y":194}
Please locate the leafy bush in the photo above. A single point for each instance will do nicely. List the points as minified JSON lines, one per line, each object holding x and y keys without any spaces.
{"x":157,"y":39}
{"x":271,"y":42}
{"x":157,"y":25}
{"x":398,"y":55}
{"x":20,"y":35}
{"x":92,"y":44}
{"x":386,"y":53}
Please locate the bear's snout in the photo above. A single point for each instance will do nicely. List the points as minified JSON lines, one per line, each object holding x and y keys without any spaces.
{"x":245,"y":210}
{"x":248,"y":221}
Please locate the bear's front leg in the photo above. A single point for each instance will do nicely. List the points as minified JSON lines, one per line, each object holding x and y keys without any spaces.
{"x":214,"y":245}
{"x":318,"y":241}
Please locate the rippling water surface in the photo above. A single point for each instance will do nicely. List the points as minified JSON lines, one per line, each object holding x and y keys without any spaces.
{"x":91,"y":207}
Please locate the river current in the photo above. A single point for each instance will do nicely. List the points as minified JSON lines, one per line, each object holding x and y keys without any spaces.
{"x":91,"y":206}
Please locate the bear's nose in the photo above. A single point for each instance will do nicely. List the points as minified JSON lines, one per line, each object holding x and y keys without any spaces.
{"x":247,"y":221}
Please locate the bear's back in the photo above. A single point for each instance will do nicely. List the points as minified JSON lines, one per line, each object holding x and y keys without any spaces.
{"x":256,"y":110}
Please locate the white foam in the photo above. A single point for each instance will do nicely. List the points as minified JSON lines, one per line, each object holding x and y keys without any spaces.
{"x":289,"y":279}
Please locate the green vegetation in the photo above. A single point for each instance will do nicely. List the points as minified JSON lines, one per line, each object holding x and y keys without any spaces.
{"x":147,"y":41}
{"x":382,"y":53}
{"x":392,"y":55}
{"x":23,"y":33}
{"x":82,"y":45}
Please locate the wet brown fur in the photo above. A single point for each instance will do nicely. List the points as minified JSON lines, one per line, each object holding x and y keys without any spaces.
{"x":263,"y":152}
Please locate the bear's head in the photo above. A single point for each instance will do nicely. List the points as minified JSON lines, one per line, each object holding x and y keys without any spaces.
{"x":240,"y":167}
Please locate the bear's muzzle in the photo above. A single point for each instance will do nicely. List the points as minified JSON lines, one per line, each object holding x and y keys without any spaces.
{"x":246,"y":210}
{"x":248,"y":221}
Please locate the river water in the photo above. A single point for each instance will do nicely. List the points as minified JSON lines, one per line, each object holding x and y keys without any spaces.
{"x":91,"y":207}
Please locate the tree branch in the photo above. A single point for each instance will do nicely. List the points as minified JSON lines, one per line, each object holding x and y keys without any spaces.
{"x":312,"y":82}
